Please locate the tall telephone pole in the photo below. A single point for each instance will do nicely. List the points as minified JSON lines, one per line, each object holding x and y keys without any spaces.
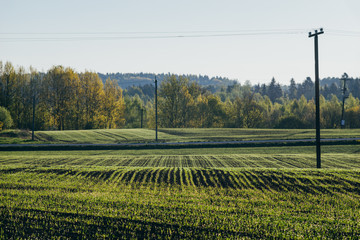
{"x":33,"y":80}
{"x":344,"y":78}
{"x":156,"y":112}
{"x":317,"y":95}
{"x":33,"y":120}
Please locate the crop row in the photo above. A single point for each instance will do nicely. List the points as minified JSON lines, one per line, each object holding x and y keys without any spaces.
{"x":305,"y":181}
{"x":165,"y":203}
{"x":190,"y":161}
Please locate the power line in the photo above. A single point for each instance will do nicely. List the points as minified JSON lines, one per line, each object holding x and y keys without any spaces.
{"x":101,"y":36}
{"x":345,"y":33}
{"x":134,"y":35}
{"x":152,"y":32}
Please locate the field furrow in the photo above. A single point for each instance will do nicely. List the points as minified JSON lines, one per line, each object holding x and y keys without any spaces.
{"x":257,"y":193}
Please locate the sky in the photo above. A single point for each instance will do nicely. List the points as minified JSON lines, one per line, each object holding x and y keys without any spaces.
{"x":253,"y":40}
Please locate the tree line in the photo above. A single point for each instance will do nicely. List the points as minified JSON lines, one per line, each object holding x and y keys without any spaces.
{"x":65,"y":99}
{"x":186,"y":104}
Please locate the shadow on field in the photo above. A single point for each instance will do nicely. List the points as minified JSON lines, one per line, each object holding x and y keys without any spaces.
{"x":11,"y":170}
{"x":310,"y":181}
{"x":37,"y":224}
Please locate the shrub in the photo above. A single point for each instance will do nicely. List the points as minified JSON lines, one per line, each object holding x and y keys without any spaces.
{"x":5,"y":119}
{"x":291,"y":122}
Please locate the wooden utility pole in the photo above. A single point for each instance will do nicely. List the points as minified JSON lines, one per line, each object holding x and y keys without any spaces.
{"x":344,"y":78}
{"x":33,"y":83}
{"x":33,"y":120}
{"x":156,"y":112}
{"x":141,"y":120}
{"x":317,"y":95}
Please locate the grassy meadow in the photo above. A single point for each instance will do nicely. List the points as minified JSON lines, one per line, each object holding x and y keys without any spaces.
{"x":216,"y":193}
{"x":103,"y":136}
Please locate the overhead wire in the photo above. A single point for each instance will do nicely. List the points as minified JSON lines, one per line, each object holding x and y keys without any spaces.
{"x":344,"y":33}
{"x":101,"y":36}
{"x":157,"y":32}
{"x":81,"y":36}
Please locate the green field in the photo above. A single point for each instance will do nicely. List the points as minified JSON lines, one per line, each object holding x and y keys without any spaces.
{"x":345,"y":157}
{"x":168,"y":135}
{"x":236,"y":193}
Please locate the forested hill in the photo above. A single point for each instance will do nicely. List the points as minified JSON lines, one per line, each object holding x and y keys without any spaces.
{"x":126,"y":80}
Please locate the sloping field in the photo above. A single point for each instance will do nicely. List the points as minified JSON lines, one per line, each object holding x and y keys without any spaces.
{"x":98,"y":136}
{"x":103,"y":136}
{"x":187,"y":135}
{"x":238,"y":134}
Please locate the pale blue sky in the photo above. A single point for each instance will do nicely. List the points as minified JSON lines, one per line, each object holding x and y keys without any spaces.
{"x":257,"y":58}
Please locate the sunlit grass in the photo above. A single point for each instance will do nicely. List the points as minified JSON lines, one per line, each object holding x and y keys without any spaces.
{"x":335,"y":156}
{"x":103,"y":136}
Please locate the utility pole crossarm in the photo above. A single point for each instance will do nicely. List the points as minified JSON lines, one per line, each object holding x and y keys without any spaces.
{"x":316,"y":32}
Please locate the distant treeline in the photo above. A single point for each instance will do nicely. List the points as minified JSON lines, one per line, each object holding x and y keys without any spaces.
{"x":329,"y":87}
{"x":126,"y":80}
{"x":186,"y":104}
{"x":65,"y":99}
